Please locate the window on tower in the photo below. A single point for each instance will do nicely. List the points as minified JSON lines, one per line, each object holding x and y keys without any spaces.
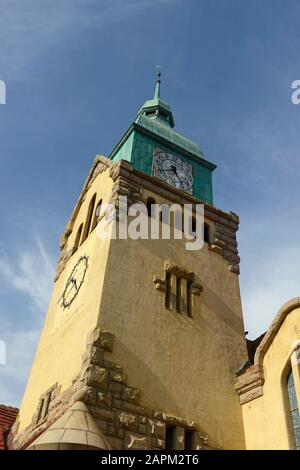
{"x":89,"y":218}
{"x":151,"y":113}
{"x":44,"y":407}
{"x":179,"y":290}
{"x":170,"y":438}
{"x":78,"y":237}
{"x":179,"y":438}
{"x":149,"y":204}
{"x":206,"y":233}
{"x":96,"y":215}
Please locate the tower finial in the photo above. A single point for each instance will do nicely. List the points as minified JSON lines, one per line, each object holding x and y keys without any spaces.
{"x":158,"y":81}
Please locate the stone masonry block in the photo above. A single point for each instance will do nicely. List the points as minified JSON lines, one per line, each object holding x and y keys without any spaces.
{"x":128,"y":421}
{"x":97,"y":377}
{"x":131,"y":394}
{"x":137,"y":442}
{"x":102,"y":338}
{"x":96,"y":355}
{"x":157,"y":429}
{"x":118,"y":377}
{"x":104,"y":399}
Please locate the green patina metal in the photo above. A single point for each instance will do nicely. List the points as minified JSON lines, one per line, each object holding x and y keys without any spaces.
{"x":152,"y":129}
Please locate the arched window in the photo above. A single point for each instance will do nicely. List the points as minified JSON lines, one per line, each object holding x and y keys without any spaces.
{"x":206,"y":233}
{"x":150,"y":202}
{"x":294,"y":409}
{"x":96,"y":215}
{"x":78,"y":236}
{"x":89,"y":218}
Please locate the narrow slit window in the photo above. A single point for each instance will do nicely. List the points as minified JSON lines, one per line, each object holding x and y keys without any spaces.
{"x":168,"y":290}
{"x":206,"y":233}
{"x":178,"y":295}
{"x":188,"y":440}
{"x":78,"y":236}
{"x":96,"y":215}
{"x":89,"y":218}
{"x":40,"y":414}
{"x":150,"y":202}
{"x":193,"y":224}
{"x":189,"y":294}
{"x":170,"y":438}
{"x":47,"y":404}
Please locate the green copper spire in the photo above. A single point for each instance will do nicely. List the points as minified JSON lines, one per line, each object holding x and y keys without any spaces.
{"x":158,"y":81}
{"x":153,"y":130}
{"x":157,"y":109}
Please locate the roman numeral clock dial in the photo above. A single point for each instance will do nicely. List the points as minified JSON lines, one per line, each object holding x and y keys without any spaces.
{"x":174,"y":171}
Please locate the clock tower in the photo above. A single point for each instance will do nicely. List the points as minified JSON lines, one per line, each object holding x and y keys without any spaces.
{"x":152,"y":146}
{"x":142,"y":337}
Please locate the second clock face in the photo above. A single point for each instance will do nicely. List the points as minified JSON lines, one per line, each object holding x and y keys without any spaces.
{"x":74,"y":282}
{"x":174,"y":171}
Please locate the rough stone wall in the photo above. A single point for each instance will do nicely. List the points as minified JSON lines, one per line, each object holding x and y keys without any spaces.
{"x":115,"y":406}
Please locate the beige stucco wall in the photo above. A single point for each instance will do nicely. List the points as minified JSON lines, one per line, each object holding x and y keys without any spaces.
{"x":266,"y":419}
{"x":63,"y":339}
{"x":183,"y":366}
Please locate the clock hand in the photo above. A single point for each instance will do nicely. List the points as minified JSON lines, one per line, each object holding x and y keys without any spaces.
{"x":74,"y":283}
{"x":174,"y":169}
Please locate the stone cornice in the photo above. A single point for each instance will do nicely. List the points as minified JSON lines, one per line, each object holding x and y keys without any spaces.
{"x":274,"y":328}
{"x":100,"y":164}
{"x":250,"y":384}
{"x":131,"y":182}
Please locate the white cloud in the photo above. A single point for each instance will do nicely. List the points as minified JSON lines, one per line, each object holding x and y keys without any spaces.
{"x":31,"y":275}
{"x":28,"y":29}
{"x":20,"y":346}
{"x":270,"y":269}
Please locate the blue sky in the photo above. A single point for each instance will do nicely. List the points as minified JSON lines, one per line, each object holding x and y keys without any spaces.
{"x":76,"y":73}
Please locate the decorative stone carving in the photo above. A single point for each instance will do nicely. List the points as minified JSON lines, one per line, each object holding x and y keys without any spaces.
{"x":160,"y":284}
{"x":197,"y":289}
{"x":178,"y":271}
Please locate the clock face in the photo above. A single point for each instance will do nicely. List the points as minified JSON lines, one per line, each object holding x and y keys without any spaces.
{"x":74,"y":282}
{"x":173,"y":170}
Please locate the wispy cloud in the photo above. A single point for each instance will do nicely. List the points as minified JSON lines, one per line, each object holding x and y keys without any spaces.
{"x":28,"y":29}
{"x":255,"y":146}
{"x":270,"y":272}
{"x":21,"y":346}
{"x":31,"y":275}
